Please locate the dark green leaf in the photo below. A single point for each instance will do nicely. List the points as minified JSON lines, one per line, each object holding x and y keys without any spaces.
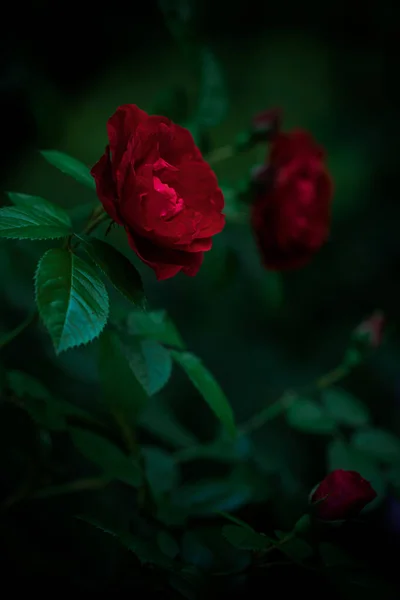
{"x":220,"y":450}
{"x":156,"y":326}
{"x":208,"y":388}
{"x":28,"y":201}
{"x":158,"y":419}
{"x":302,"y":525}
{"x":334,"y":556}
{"x":70,"y":166}
{"x":122,"y":391}
{"x":377,"y":443}
{"x":146,"y":551}
{"x":71,"y":299}
{"x":245,"y":539}
{"x":112,"y":461}
{"x":167,"y":544}
{"x":22,"y":384}
{"x":341,"y":455}
{"x":120,"y":271}
{"x":344,"y":408}
{"x":308,"y":416}
{"x":213,"y":100}
{"x":161,"y":471}
{"x":150,"y":362}
{"x":295,"y":548}
{"x":44,"y":223}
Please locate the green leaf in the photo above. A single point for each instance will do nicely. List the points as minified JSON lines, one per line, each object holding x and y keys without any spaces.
{"x":208,"y":388}
{"x":70,"y":166}
{"x":167,"y":544}
{"x":161,"y":471}
{"x":334,"y":556}
{"x":341,"y":455}
{"x":377,"y":443}
{"x":146,"y":551}
{"x":344,"y":408}
{"x":44,"y":223}
{"x":119,"y":270}
{"x":112,"y":461}
{"x":150,"y":362}
{"x":302,"y":525}
{"x":28,"y":201}
{"x":158,"y":419}
{"x":71,"y":298}
{"x":37,"y":401}
{"x":295,"y":548}
{"x":245,"y":539}
{"x":122,"y":391}
{"x":308,"y":416}
{"x":213,"y":100}
{"x":155,"y":325}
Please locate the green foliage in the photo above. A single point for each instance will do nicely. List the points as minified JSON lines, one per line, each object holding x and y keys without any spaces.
{"x":161,"y":470}
{"x":344,"y":408}
{"x":70,"y":166}
{"x":379,"y":444}
{"x":295,"y":548}
{"x":150,"y":362}
{"x":119,"y":270}
{"x":154,"y":325}
{"x":123,"y":393}
{"x":158,"y":419}
{"x":39,"y":222}
{"x":308,"y":416}
{"x":245,"y":538}
{"x":27,"y":201}
{"x":113,"y":463}
{"x":167,"y":544}
{"x":208,"y":388}
{"x":72,"y":300}
{"x":146,"y":551}
{"x":213,"y":98}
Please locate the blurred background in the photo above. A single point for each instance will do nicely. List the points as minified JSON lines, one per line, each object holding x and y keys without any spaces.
{"x":64,"y":71}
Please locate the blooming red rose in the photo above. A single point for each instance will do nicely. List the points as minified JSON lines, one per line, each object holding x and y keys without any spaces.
{"x":154,"y":182}
{"x":291,"y":214}
{"x":342,"y":495}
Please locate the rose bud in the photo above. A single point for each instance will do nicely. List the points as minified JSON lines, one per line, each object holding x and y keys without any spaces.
{"x":341,"y":495}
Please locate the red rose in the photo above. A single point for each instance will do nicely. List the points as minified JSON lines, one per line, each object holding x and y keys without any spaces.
{"x":372,"y":329}
{"x":342,"y":495}
{"x":291,"y":214}
{"x":153,"y":180}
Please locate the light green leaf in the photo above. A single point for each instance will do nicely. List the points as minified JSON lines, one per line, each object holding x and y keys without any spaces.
{"x":119,"y":270}
{"x":146,"y":551}
{"x":161,"y":471}
{"x":167,"y":544}
{"x":123,"y":393}
{"x":308,"y":416}
{"x":71,"y":298}
{"x":44,"y":223}
{"x":341,"y":455}
{"x":208,"y":388}
{"x":70,"y":166}
{"x":245,"y":539}
{"x":112,"y":461}
{"x":28,"y":201}
{"x":155,"y":325}
{"x":150,"y":362}
{"x":377,"y":443}
{"x":344,"y":408}
{"x":213,"y":100}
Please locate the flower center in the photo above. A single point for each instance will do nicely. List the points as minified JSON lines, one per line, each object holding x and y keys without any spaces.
{"x":172,"y":203}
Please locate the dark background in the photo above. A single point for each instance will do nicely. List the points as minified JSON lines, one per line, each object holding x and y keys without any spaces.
{"x":333,"y":68}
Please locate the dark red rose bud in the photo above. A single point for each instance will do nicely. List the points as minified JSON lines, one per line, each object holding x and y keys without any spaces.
{"x":341,"y":495}
{"x":371,"y":330}
{"x":291,"y":214}
{"x":154,"y":182}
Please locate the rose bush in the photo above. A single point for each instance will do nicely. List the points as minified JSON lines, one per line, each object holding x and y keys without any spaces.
{"x":342,"y":495}
{"x":291,"y":213}
{"x":153,"y":180}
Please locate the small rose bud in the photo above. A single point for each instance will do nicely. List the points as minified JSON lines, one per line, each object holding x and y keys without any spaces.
{"x":371,"y":330}
{"x":266,"y":124}
{"x":341,"y":495}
